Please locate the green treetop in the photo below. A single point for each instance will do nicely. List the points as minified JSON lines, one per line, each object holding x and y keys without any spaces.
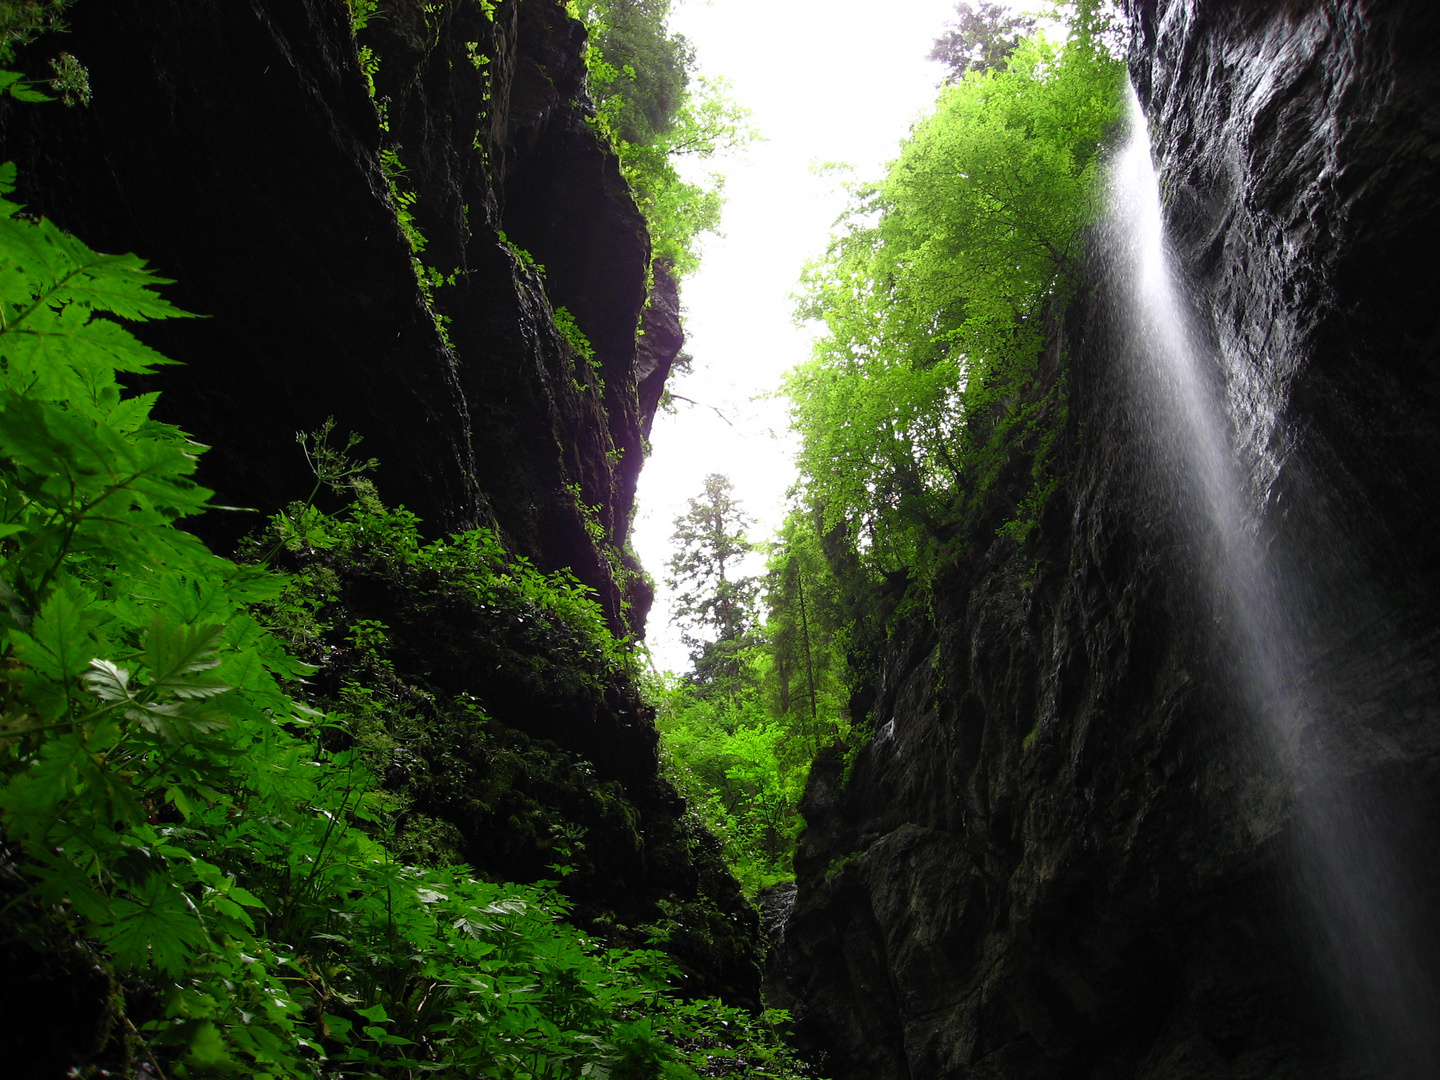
{"x":714,"y":604}
{"x":981,"y":37}
{"x":657,"y":109}
{"x":932,"y":300}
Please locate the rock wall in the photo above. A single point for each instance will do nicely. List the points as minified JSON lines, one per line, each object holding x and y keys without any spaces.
{"x":1067,"y":850}
{"x":237,"y":145}
{"x":237,"y":148}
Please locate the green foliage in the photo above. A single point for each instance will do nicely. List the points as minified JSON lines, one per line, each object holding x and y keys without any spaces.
{"x":587,"y":372}
{"x":657,"y":113}
{"x":641,"y":73}
{"x":401,"y":198}
{"x":571,"y":332}
{"x":556,"y":609}
{"x":169,"y":800}
{"x":760,"y":702}
{"x":742,"y":769}
{"x":524,"y":258}
{"x":714,"y":602}
{"x":933,"y":302}
{"x":361,"y":12}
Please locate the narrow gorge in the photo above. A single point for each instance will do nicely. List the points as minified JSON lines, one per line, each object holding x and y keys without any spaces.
{"x":1145,"y":789}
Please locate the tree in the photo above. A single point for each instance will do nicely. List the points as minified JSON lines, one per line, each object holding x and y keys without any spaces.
{"x":806,"y":673}
{"x":714,"y":604}
{"x":980,"y":39}
{"x":648,"y":68}
{"x":656,"y":110}
{"x":933,"y":301}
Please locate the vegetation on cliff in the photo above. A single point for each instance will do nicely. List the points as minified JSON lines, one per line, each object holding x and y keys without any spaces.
{"x":659,"y":113}
{"x":923,"y":412}
{"x":933,"y":304}
{"x":201,"y":840}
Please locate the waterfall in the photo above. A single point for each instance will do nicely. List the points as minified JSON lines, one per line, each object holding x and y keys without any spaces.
{"x":1364,"y":926}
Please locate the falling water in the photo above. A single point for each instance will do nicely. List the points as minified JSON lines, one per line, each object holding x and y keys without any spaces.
{"x":1361,"y":912}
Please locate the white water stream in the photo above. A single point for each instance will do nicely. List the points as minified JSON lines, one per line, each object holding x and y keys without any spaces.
{"x":1362,"y":918}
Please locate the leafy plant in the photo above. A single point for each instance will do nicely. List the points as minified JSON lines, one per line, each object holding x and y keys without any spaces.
{"x":172,"y":803}
{"x":586,"y":360}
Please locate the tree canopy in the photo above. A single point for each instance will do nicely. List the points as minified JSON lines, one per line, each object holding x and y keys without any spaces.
{"x":981,"y":37}
{"x":931,"y":299}
{"x":657,"y":109}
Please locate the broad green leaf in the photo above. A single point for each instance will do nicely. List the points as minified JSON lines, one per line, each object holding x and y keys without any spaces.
{"x":207,"y":1048}
{"x":58,"y":645}
{"x":155,"y":924}
{"x":172,"y":652}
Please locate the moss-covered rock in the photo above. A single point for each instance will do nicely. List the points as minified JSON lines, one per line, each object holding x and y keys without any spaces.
{"x":509,"y":732}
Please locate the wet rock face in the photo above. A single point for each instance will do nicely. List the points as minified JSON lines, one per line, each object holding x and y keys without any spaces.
{"x":235,"y":146}
{"x":1067,"y":850}
{"x":1300,"y":177}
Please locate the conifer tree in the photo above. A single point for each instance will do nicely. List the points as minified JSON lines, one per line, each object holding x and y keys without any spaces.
{"x":714,"y":604}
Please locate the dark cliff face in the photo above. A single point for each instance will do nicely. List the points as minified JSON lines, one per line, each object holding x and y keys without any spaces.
{"x":1069,"y":849}
{"x":235,"y":146}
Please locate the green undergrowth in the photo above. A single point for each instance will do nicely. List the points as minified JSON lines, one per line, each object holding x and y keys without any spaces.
{"x":462,"y":670}
{"x":191,"y":804}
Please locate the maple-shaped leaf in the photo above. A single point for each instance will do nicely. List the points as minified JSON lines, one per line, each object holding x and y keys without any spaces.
{"x":155,"y":924}
{"x":117,"y":283}
{"x":130,"y":413}
{"x":58,"y":645}
{"x":70,"y":337}
{"x":179,"y":656}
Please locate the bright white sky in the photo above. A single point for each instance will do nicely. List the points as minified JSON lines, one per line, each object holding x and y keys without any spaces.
{"x":840,"y":81}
